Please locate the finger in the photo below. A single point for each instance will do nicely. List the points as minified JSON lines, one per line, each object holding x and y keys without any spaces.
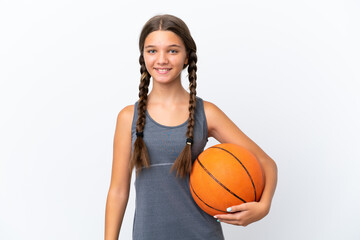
{"x":227,"y":220}
{"x":235,"y":222}
{"x":228,"y":216}
{"x":237,"y":208}
{"x":231,"y":216}
{"x":239,"y":219}
{"x":224,"y":217}
{"x":220,"y":215}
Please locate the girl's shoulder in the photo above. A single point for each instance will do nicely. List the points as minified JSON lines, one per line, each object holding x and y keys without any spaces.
{"x":211,"y":110}
{"x":126,"y":114}
{"x":212,"y":113}
{"x":128,"y":110}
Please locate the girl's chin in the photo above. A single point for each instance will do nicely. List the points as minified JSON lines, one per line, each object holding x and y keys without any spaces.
{"x":164,"y":79}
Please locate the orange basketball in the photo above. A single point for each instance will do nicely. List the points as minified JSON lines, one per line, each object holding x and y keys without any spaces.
{"x":225,"y":175}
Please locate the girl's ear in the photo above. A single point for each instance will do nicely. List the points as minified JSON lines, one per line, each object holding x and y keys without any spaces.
{"x":186,"y":60}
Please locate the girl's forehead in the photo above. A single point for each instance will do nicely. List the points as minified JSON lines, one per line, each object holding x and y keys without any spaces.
{"x":163,"y":38}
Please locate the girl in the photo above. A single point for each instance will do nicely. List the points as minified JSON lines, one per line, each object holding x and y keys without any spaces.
{"x":161,"y":135}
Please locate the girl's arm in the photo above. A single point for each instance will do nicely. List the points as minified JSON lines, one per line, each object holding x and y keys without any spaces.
{"x":118,"y":194}
{"x":225,"y":131}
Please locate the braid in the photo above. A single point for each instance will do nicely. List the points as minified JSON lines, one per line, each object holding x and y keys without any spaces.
{"x":183,"y":163}
{"x":192,"y":102}
{"x":140,"y":157}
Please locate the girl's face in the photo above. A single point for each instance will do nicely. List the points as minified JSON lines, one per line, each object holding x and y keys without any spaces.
{"x":164,"y":56}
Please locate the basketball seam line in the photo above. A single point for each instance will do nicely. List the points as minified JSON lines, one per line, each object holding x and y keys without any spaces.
{"x":219,"y":181}
{"x":203,"y":200}
{"x":252,"y":182}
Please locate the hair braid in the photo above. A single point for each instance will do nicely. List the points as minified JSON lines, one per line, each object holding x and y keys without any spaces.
{"x":183,"y":163}
{"x":140,"y":157}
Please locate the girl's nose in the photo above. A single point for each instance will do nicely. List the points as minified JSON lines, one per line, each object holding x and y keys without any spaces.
{"x":162,"y":59}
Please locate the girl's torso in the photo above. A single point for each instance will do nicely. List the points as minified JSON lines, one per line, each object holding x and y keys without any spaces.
{"x":164,"y":205}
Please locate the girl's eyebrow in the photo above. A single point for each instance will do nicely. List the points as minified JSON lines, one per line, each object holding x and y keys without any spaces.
{"x":172,"y":45}
{"x":175,"y":45}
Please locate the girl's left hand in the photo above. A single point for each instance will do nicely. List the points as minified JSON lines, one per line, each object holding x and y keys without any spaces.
{"x":244,"y":214}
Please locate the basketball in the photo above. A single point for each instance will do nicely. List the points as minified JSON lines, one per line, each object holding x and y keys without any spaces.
{"x":225,"y":175}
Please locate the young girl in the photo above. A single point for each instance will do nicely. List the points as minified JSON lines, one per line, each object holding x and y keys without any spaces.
{"x":161,"y":135}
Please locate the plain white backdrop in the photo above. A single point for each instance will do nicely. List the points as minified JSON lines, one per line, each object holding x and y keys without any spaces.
{"x":286,"y":72}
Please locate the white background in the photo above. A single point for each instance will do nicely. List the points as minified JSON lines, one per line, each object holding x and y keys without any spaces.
{"x":286,"y":72}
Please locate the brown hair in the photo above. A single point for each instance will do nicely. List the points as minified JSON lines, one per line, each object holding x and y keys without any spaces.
{"x":140,"y":157}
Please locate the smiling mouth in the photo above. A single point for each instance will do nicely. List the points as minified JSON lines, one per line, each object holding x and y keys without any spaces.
{"x":162,"y":70}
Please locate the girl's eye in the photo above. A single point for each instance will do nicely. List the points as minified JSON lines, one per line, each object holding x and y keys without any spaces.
{"x":173,"y":51}
{"x":151,"y":51}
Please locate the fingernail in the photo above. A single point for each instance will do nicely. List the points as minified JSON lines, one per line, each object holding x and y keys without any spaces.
{"x":228,"y":209}
{"x":215,"y":216}
{"x":218,"y":220}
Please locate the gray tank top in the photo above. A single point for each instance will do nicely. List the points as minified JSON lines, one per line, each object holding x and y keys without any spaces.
{"x":164,"y":207}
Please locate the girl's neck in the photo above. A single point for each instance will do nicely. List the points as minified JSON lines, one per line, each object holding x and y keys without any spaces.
{"x":168,"y":94}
